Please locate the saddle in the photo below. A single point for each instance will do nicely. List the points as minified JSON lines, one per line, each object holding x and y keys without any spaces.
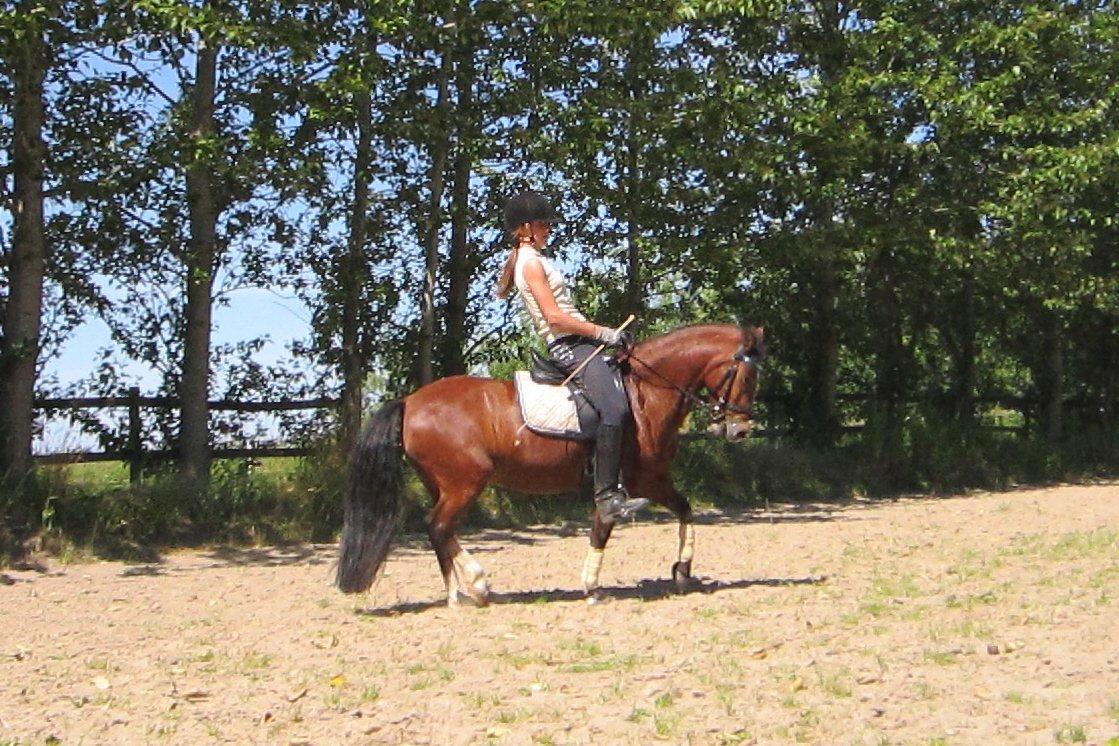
{"x":550,"y":409}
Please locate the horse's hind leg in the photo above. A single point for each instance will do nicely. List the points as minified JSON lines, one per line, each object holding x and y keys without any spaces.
{"x":462,"y":573}
{"x":592,"y":565}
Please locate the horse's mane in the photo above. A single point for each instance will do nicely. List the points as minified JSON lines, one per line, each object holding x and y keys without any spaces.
{"x":703,"y":334}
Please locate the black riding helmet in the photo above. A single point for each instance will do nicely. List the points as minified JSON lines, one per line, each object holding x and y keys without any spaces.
{"x":527,"y":207}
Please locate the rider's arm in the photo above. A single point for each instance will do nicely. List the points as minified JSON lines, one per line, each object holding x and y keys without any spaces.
{"x":560,"y":322}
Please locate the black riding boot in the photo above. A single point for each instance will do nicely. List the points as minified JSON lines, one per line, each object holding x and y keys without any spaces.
{"x":610,"y":496}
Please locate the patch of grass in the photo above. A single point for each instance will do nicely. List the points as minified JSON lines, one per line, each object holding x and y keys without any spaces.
{"x":899,"y":586}
{"x":735,"y":737}
{"x":580,"y":648}
{"x":1070,"y":734}
{"x":479,"y":701}
{"x":972,"y":564}
{"x":505,"y":717}
{"x":987,"y":598}
{"x":618,"y":663}
{"x":941,"y":657}
{"x":666,"y":723}
{"x":637,"y":715}
{"x":971,"y":628}
{"x":1016,"y":698}
{"x":254,"y":661}
{"x":519,"y":660}
{"x":1084,"y":545}
{"x":835,"y":684}
{"x":370,"y":694}
{"x":725,"y":696}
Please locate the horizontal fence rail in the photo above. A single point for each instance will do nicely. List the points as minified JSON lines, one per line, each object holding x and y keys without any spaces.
{"x":137,"y":456}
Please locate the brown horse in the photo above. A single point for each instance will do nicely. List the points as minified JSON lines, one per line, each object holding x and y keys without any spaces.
{"x":462,"y":433}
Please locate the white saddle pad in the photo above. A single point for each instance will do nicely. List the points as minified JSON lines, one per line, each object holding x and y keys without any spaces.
{"x":546,"y":409}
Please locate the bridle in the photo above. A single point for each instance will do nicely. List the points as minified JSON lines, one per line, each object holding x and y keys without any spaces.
{"x":719,"y":404}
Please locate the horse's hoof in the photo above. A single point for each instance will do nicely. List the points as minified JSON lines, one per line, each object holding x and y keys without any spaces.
{"x":477,"y":593}
{"x":597,"y":596}
{"x":682,"y":576}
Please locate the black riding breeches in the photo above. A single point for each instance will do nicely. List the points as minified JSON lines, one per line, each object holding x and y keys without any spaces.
{"x":600,"y":378}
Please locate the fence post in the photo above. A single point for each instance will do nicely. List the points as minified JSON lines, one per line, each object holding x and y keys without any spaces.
{"x":134,"y":453}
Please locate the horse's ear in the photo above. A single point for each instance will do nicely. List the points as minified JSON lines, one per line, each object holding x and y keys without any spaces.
{"x":757,"y":339}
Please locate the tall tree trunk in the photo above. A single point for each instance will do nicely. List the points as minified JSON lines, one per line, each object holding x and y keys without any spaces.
{"x":885,"y":314}
{"x":634,"y":298}
{"x":19,"y":348}
{"x":439,"y":148}
{"x":460,"y":263}
{"x":823,"y":355}
{"x":194,"y":388}
{"x":966,"y":372}
{"x":354,"y":275}
{"x":1109,"y":338}
{"x":1051,"y":375}
{"x":823,"y":274}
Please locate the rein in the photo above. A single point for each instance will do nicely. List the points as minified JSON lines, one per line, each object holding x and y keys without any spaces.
{"x":721,"y":393}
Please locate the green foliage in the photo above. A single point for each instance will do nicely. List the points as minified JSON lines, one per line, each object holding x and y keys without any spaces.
{"x":915,"y":199}
{"x":80,"y":509}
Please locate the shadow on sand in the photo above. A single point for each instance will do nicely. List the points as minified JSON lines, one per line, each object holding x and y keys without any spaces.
{"x":646,"y":590}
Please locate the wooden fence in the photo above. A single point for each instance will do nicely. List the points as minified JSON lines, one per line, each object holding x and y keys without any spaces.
{"x":136,"y":456}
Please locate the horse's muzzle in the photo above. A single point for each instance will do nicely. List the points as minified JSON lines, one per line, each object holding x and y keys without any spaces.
{"x":738,"y":431}
{"x":734,"y":432}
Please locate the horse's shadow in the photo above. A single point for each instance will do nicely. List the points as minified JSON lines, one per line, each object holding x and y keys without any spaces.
{"x":646,"y":590}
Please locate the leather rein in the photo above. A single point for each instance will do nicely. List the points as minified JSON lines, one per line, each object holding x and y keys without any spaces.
{"x":720,"y":403}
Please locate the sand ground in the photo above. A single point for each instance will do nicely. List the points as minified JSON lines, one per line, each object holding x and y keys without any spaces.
{"x":979,"y":618}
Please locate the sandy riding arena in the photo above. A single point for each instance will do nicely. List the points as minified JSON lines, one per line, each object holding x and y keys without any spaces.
{"x":985,"y":618}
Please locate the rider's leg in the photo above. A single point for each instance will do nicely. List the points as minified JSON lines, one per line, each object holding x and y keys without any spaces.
{"x":604,"y":385}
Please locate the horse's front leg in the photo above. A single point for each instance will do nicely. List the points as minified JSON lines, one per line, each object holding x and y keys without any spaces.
{"x":661,"y":491}
{"x":682,"y":568}
{"x":592,"y":565}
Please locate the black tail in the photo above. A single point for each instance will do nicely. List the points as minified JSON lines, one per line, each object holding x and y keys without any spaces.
{"x":373,"y":498}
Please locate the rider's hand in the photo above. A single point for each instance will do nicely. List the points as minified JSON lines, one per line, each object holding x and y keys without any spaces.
{"x":621,"y":340}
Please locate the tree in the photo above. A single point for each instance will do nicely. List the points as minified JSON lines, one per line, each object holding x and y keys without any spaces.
{"x":26,"y":55}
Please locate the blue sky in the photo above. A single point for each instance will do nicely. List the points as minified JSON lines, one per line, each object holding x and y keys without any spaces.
{"x":251,"y":313}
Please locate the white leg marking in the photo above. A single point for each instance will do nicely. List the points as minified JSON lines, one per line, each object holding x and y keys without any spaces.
{"x":687,"y":541}
{"x":592,"y":565}
{"x":471,"y":575}
{"x":452,"y":589}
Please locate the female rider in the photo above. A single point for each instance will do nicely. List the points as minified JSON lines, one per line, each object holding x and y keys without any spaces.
{"x":571,"y":339}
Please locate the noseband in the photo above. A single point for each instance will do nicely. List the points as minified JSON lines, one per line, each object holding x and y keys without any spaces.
{"x":719,"y":405}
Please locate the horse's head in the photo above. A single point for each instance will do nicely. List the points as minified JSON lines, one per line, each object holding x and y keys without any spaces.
{"x":732,"y":384}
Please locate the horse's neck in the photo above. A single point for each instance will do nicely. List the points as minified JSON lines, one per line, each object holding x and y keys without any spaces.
{"x":665,"y":406}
